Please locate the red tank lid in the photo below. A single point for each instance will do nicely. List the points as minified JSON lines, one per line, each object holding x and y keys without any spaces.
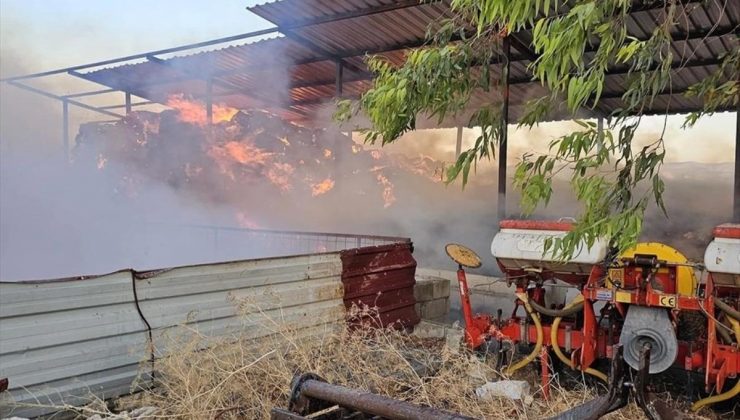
{"x":563,"y":226}
{"x":727,"y":230}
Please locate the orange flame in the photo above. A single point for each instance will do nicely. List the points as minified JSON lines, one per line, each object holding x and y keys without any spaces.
{"x":194,"y":112}
{"x":327,"y":153}
{"x":388,"y":196}
{"x":245,"y":153}
{"x":279,"y":174}
{"x":322,"y":187}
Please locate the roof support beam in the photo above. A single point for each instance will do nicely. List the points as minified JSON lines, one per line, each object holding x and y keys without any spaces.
{"x":61,"y":98}
{"x":91,"y":93}
{"x":128,"y":106}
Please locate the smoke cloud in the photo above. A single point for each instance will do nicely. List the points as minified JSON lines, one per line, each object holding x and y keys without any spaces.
{"x":137,"y":192}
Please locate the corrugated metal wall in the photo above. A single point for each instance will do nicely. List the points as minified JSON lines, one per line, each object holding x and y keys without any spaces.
{"x":64,"y":340}
{"x":382,"y":277}
{"x":303,"y":291}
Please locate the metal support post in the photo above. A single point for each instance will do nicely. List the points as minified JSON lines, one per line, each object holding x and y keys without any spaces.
{"x":209,"y":101}
{"x":458,"y":145}
{"x":128,"y":103}
{"x":65,"y":129}
{"x":504,"y":130}
{"x":736,"y":190}
{"x":339,"y":79}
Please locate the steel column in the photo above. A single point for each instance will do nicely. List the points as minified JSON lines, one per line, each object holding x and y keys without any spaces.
{"x":128,"y":103}
{"x":339,"y":80}
{"x":458,"y":144}
{"x":736,"y":190}
{"x":209,"y":101}
{"x":506,"y":64}
{"x":65,"y":129}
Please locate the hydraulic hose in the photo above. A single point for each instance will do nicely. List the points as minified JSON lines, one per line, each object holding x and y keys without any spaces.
{"x":540,"y":336}
{"x":575,"y":303}
{"x":727,"y":309}
{"x":567,"y":311}
{"x":735,"y":390}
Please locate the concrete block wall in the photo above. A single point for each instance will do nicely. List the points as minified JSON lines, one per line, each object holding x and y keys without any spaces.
{"x":432,"y":298}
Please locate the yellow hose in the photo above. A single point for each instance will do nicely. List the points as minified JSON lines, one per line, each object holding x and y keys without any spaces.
{"x":540,"y":336}
{"x":735,"y":390}
{"x":556,"y":348}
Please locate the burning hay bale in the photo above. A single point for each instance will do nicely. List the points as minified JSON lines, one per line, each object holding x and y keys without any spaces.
{"x":242,"y":153}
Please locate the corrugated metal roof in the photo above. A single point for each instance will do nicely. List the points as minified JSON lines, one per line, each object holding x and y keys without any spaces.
{"x":293,"y":76}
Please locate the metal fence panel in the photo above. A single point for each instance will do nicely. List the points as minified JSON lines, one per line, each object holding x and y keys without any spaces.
{"x":63,"y":340}
{"x":237,"y":298}
{"x":381,"y":278}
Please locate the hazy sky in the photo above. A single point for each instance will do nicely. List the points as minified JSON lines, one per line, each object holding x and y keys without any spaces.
{"x":61,"y":33}
{"x":38,"y":35}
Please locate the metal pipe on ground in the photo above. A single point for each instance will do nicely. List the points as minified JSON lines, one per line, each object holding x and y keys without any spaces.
{"x":372,"y":403}
{"x":309,"y":391}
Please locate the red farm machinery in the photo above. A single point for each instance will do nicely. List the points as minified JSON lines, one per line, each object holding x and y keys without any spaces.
{"x":648,"y":308}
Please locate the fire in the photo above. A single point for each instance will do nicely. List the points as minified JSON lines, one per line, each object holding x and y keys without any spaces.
{"x":327,"y":153}
{"x":245,"y":153}
{"x":279,"y":174}
{"x":388,"y":196}
{"x":101,"y":161}
{"x":194,"y":112}
{"x":322,"y":187}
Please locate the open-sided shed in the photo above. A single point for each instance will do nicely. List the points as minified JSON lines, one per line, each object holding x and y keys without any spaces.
{"x":320,"y":56}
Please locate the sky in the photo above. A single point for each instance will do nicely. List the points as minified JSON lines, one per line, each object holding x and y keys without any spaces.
{"x":62,"y":33}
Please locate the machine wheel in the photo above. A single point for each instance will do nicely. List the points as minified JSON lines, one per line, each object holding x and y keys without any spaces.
{"x":691,"y":325}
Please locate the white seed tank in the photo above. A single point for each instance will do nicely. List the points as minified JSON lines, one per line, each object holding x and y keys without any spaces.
{"x":722,"y":257}
{"x":520,"y":244}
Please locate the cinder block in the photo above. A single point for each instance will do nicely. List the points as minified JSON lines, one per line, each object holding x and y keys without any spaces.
{"x":433,"y":309}
{"x":426,"y":329}
{"x":431,"y":288}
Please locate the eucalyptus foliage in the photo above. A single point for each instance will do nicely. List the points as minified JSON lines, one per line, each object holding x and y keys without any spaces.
{"x":614,"y":182}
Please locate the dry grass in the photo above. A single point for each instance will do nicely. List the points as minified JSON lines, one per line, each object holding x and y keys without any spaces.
{"x":246,"y":378}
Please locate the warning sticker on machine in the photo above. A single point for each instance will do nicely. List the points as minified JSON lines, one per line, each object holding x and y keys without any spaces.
{"x":668,"y":301}
{"x":604,"y":295}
